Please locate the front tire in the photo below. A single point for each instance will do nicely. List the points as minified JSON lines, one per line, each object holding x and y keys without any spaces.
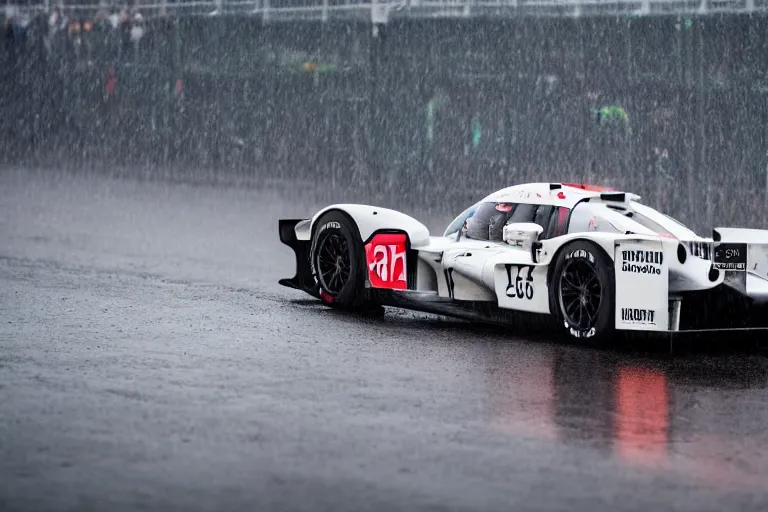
{"x":337,"y":258}
{"x":583,"y":292}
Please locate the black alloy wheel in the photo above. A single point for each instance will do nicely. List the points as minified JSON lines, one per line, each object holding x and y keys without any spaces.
{"x":333,"y":262}
{"x":580,"y":294}
{"x":337,"y":260}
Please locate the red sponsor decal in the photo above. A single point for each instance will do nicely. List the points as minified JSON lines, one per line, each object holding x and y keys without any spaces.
{"x":560,"y":195}
{"x":385,"y":257}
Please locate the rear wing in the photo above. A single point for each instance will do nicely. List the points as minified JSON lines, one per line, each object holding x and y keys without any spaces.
{"x":303,"y":279}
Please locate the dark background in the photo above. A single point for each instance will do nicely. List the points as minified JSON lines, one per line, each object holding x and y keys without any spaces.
{"x":330,"y":103}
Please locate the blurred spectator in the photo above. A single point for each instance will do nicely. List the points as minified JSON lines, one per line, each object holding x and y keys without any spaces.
{"x":114,"y":18}
{"x":75,"y":37}
{"x":125,"y":35}
{"x":131,"y":33}
{"x":16,"y":27}
{"x":137,"y":28}
{"x":57,"y":20}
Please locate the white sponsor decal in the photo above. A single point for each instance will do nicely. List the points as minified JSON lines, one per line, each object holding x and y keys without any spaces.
{"x":385,"y":267}
{"x":642,"y":286}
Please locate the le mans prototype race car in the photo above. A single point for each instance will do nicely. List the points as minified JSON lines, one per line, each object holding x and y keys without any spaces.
{"x":595,"y":260}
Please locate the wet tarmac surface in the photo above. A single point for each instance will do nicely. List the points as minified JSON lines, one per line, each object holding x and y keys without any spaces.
{"x":149,"y":360}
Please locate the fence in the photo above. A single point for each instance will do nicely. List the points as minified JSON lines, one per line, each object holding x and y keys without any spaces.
{"x":383,"y":10}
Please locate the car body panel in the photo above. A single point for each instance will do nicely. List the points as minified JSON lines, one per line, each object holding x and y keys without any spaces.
{"x":641,"y":271}
{"x":522,"y":287}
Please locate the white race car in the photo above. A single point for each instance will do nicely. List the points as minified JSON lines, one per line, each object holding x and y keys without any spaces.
{"x":591,"y":259}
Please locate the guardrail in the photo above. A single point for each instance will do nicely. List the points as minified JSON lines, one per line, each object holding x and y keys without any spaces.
{"x":380,"y":11}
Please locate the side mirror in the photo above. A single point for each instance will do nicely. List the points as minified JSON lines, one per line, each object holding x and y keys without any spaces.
{"x":522,"y":234}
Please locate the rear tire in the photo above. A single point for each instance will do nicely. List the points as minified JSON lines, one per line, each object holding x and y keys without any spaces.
{"x":583,"y":293}
{"x":337,"y":259}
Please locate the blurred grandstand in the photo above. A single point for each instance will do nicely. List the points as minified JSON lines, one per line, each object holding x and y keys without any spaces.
{"x":380,"y":11}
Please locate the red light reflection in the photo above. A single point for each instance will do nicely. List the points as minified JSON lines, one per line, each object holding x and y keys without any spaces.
{"x":642,"y":415}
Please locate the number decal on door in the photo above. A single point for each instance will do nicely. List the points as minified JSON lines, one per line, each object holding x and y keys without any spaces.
{"x":520,"y":287}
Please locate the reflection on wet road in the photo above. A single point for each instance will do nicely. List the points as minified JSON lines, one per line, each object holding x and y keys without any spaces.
{"x":149,"y":360}
{"x":662,"y":413}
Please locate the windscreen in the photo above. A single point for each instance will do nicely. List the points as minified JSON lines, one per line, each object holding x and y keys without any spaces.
{"x":459,"y":221}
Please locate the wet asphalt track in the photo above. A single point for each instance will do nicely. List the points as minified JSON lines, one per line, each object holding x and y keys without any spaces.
{"x":149,"y":360}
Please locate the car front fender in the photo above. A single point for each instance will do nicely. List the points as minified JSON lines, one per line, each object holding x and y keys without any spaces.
{"x":370,"y":219}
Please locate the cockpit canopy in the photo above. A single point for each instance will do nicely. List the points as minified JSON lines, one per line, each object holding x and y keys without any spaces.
{"x":486,"y":219}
